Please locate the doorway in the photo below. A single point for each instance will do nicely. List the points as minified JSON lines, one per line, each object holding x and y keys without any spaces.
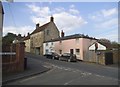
{"x":71,"y":51}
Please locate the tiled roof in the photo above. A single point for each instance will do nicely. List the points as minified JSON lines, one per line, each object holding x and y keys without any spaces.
{"x":72,"y":37}
{"x":40,"y":28}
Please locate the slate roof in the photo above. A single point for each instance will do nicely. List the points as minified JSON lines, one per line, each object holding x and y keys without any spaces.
{"x":71,"y":37}
{"x":41,"y":28}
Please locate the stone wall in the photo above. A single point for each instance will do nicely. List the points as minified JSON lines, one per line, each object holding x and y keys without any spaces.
{"x":53,"y":32}
{"x":36,"y":41}
{"x":100,"y":58}
{"x":27,"y":45}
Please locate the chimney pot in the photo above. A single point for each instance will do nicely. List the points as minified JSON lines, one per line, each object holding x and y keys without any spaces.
{"x":51,"y":19}
{"x":37,"y":25}
{"x":62,"y":34}
{"x":28,"y":34}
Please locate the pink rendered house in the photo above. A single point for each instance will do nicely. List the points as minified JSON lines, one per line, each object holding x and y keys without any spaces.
{"x":78,"y":44}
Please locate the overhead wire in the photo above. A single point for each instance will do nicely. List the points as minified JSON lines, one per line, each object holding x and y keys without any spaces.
{"x":12,"y":16}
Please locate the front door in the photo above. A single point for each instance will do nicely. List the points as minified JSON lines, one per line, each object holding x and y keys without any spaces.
{"x":71,"y":51}
{"x":37,"y":50}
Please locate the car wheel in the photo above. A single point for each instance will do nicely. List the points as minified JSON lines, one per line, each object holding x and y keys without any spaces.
{"x":59,"y":59}
{"x":53,"y":58}
{"x":69,"y":60}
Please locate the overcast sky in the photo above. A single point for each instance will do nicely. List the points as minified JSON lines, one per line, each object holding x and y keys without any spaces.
{"x":96,"y":19}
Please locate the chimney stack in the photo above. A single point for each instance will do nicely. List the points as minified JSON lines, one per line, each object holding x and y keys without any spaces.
{"x":51,"y":19}
{"x":28,"y":34}
{"x":37,"y":25}
{"x":62,"y":34}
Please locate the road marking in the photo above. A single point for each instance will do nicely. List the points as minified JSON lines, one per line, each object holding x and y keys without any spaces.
{"x":71,"y":81}
{"x":74,"y":70}
{"x":28,"y":79}
{"x":82,"y":72}
{"x":68,"y":82}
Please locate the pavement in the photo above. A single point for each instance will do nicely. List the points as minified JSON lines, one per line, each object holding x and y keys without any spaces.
{"x":33,"y":68}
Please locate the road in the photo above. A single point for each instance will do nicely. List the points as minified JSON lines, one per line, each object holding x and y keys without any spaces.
{"x":70,"y":73}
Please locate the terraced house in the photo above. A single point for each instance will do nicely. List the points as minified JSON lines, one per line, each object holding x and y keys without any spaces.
{"x":41,"y":34}
{"x":77,"y":44}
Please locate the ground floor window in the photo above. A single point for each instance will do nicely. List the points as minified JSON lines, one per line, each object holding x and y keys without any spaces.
{"x":77,"y":51}
{"x":46,"y":51}
{"x":60,"y":51}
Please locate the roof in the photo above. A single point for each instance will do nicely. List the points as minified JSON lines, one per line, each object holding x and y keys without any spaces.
{"x":41,"y":28}
{"x":108,"y":45}
{"x":99,"y":46}
{"x":72,"y":37}
{"x":27,"y":37}
{"x":1,"y":8}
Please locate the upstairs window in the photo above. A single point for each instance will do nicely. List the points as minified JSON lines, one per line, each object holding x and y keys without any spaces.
{"x":48,"y":32}
{"x":77,"y":40}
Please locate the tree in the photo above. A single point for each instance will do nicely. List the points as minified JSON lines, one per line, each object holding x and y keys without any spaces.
{"x":104,"y":40}
{"x":115,"y":44}
{"x":6,"y":40}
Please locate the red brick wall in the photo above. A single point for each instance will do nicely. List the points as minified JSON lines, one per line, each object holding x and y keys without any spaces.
{"x":13,"y":63}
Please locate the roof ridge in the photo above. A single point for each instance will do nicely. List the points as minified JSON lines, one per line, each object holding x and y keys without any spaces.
{"x":40,"y":28}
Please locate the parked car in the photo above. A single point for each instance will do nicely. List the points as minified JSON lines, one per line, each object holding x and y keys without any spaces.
{"x":52,"y":55}
{"x":68,"y":57}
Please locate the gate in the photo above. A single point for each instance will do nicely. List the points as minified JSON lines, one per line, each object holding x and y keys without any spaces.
{"x":108,"y":58}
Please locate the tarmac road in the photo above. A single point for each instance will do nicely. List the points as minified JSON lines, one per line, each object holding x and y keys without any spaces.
{"x":70,"y":73}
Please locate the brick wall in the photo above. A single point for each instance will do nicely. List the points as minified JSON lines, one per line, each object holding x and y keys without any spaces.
{"x":13,"y":63}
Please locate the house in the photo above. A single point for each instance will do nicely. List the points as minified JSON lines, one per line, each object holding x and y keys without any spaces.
{"x":77,"y":44}
{"x":41,"y":34}
{"x":27,"y":43}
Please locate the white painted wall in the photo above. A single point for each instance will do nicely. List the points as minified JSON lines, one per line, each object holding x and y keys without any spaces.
{"x":48,"y":46}
{"x":100,"y":47}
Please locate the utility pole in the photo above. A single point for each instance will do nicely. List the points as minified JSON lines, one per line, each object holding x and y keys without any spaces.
{"x":1,"y":30}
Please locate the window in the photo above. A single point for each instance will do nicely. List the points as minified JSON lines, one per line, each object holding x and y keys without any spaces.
{"x":52,"y":43}
{"x":46,"y":44}
{"x":51,"y":50}
{"x":46,"y":51}
{"x":60,"y":41}
{"x":60,"y":51}
{"x":77,"y":51}
{"x":48,"y":32}
{"x":77,"y":40}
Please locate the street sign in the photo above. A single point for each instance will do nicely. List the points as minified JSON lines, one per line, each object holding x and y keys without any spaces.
{"x":97,"y":46}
